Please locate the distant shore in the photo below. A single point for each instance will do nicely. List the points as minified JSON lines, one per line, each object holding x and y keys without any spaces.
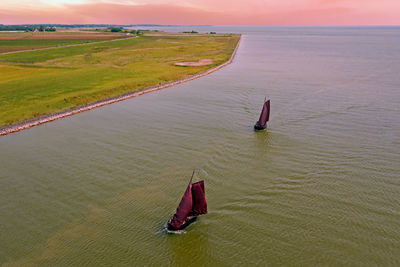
{"x":8,"y":129}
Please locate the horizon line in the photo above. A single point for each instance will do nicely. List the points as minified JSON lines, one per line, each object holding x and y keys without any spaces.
{"x":198,"y":25}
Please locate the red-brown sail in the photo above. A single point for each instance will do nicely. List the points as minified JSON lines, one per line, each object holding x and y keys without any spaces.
{"x":264,"y":116}
{"x":183,"y":210}
{"x":199,"y":199}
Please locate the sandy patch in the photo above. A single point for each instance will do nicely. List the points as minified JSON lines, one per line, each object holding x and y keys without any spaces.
{"x":201,"y":62}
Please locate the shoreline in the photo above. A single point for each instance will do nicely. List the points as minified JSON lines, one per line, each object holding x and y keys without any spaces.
{"x":26,"y":124}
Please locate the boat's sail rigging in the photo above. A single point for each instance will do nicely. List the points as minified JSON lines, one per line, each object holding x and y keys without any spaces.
{"x":193,"y":204}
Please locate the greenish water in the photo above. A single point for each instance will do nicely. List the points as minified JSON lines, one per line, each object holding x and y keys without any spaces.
{"x":320,"y":187}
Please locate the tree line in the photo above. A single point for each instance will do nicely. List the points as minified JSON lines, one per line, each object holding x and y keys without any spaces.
{"x":27,"y":28}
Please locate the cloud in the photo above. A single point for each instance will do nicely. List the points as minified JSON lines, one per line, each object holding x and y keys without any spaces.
{"x":116,"y":14}
{"x":257,"y":12}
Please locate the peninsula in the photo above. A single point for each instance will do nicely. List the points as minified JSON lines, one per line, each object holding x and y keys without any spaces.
{"x":64,"y":73}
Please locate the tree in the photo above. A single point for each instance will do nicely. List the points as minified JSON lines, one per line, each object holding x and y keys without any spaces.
{"x":51,"y":29}
{"x":115,"y":29}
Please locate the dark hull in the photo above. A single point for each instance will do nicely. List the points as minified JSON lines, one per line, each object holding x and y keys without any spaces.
{"x":189,"y":220}
{"x":259,"y":127}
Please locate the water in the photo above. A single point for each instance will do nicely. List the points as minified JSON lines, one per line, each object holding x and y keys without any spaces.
{"x":320,"y":187}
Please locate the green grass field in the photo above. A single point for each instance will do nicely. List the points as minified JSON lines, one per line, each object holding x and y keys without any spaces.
{"x":10,"y":41}
{"x":18,"y":45}
{"x":35,"y":83}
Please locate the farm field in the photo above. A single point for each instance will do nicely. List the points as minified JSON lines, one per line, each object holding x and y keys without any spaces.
{"x":34,"y":83}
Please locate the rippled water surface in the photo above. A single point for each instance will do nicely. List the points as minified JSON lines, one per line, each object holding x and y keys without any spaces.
{"x":320,"y":186}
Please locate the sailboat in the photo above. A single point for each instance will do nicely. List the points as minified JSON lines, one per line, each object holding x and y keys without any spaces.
{"x":193,"y":204}
{"x":261,"y":124}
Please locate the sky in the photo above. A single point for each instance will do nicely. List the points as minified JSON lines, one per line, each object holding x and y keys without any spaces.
{"x":202,"y":12}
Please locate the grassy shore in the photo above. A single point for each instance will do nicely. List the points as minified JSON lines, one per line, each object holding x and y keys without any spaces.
{"x":35,"y":83}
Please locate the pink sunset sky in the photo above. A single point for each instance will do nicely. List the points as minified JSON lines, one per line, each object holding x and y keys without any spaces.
{"x":191,"y":12}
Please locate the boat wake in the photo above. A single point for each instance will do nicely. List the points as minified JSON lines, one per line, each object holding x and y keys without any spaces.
{"x":164,"y":229}
{"x":174,"y":232}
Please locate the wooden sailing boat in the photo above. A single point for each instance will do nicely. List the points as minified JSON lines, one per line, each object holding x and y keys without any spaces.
{"x":193,"y":204}
{"x":261,"y":124}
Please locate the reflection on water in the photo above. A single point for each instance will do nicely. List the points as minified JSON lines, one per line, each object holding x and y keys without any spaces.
{"x":320,"y":186}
